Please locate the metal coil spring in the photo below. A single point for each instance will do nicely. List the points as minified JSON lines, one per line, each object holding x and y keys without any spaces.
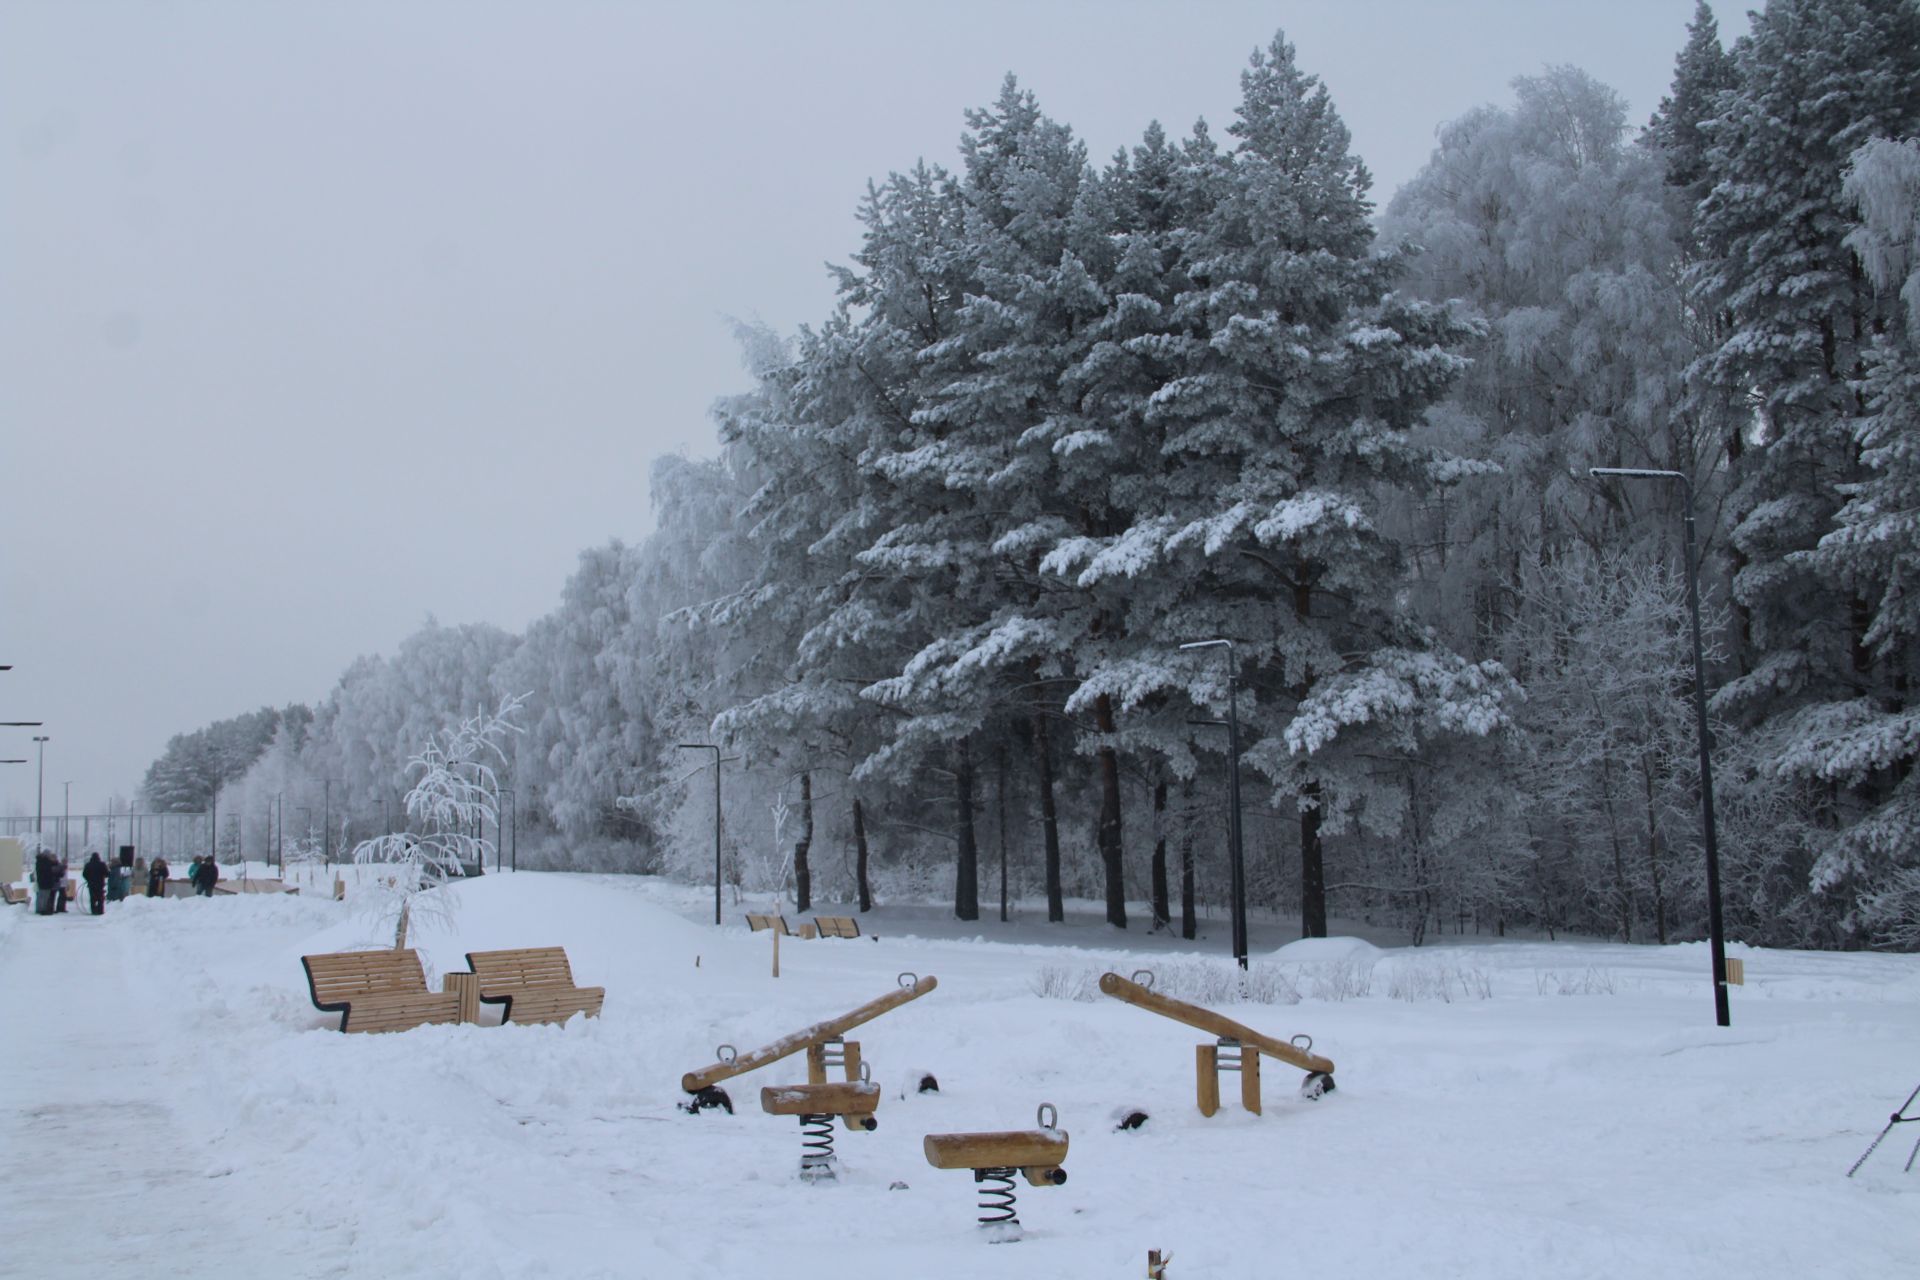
{"x":996,"y":1201}
{"x":816,"y":1145}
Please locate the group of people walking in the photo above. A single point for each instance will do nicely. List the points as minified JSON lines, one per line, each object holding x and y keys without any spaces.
{"x":107,"y":882}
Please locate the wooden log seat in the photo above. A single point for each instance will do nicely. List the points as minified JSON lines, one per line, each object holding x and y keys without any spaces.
{"x":1038,"y":1153}
{"x":854,"y":1100}
{"x":533,"y":984}
{"x":377,"y":990}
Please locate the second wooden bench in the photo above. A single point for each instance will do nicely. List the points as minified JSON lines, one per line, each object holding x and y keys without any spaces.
{"x":533,"y":984}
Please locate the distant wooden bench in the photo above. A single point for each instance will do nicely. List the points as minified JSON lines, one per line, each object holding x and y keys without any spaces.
{"x":837,"y":926}
{"x":14,"y":895}
{"x":778,"y":924}
{"x":377,"y":990}
{"x":254,"y":886}
{"x":533,"y":984}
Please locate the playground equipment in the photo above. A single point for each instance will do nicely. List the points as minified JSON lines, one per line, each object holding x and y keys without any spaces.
{"x":817,"y":1104}
{"x":995,"y":1158}
{"x":824,"y":1043}
{"x":1238,"y":1048}
{"x":1898,"y":1117}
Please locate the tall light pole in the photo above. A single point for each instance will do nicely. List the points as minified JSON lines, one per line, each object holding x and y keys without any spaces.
{"x":40,"y":789}
{"x":66,"y":816}
{"x":1715,"y":934}
{"x":1235,"y":859}
{"x":708,"y":746}
{"x":513,"y":829}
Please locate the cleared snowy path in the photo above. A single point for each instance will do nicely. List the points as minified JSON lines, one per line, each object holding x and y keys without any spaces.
{"x":109,"y":1166}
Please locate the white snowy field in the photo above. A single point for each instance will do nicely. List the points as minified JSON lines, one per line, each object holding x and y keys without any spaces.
{"x":176,"y":1107}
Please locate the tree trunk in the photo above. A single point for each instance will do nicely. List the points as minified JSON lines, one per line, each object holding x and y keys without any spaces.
{"x":802,"y":872}
{"x":1049,"y":819}
{"x":1188,"y":927}
{"x":860,"y":857}
{"x":1653,"y":855}
{"x":1109,"y":838}
{"x":1001,"y":793}
{"x":966,"y":880}
{"x":1313,"y":876}
{"x":1162,"y":914}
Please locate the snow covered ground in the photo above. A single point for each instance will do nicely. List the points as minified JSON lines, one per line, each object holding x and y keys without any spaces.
{"x":176,"y":1107}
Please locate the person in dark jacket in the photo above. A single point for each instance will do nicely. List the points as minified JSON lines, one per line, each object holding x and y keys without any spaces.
{"x":46,"y":879}
{"x":157,"y":878}
{"x":95,"y":874}
{"x":116,"y":881}
{"x":209,"y":877}
{"x":60,"y":886}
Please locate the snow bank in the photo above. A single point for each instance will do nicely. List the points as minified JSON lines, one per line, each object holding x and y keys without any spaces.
{"x":1583,"y":1112}
{"x":1328,"y":951}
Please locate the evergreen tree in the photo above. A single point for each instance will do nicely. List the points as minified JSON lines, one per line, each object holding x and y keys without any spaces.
{"x":1816,"y":81}
{"x":1294,"y":375}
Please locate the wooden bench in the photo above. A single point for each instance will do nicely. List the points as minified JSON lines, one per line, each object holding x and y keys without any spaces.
{"x":837,"y":926}
{"x":758,"y":923}
{"x":377,"y":990}
{"x":533,"y":984}
{"x":14,"y":895}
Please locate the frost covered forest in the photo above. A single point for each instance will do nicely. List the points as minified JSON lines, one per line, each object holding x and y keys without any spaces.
{"x":1071,"y":412}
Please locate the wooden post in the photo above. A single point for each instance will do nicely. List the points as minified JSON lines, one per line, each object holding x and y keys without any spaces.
{"x":776,"y":951}
{"x":1736,"y":971}
{"x":1207,"y":1077}
{"x":339,"y":889}
{"x":852,"y":1053}
{"x":1250,"y":1079}
{"x":816,"y":1063}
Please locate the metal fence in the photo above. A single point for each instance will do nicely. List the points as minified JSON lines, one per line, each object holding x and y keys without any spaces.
{"x":167,"y":834}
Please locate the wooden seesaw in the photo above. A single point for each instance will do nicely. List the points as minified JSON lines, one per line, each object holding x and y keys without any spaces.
{"x":823,"y":1042}
{"x":1238,"y":1048}
{"x":1036,"y":1154}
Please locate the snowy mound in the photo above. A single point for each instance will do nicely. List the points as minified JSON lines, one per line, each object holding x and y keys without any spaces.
{"x":1328,"y":951}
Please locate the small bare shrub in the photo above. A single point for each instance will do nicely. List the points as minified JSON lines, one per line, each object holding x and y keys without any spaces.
{"x":1058,"y":982}
{"x":1339,"y":979}
{"x":1444,"y":980}
{"x":1593,"y":982}
{"x":1207,"y":982}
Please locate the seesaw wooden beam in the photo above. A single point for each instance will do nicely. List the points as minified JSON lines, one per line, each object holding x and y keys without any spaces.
{"x":694,"y":1081}
{"x":1207,"y":1020}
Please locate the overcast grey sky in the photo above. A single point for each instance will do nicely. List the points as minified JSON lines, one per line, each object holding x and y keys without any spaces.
{"x":316,"y":319}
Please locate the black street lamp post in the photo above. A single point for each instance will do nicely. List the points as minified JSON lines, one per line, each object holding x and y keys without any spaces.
{"x":1235,"y":857}
{"x":708,"y":746}
{"x":1715,"y":933}
{"x":40,"y":791}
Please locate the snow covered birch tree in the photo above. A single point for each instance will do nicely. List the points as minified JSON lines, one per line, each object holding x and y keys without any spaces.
{"x":454,"y":799}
